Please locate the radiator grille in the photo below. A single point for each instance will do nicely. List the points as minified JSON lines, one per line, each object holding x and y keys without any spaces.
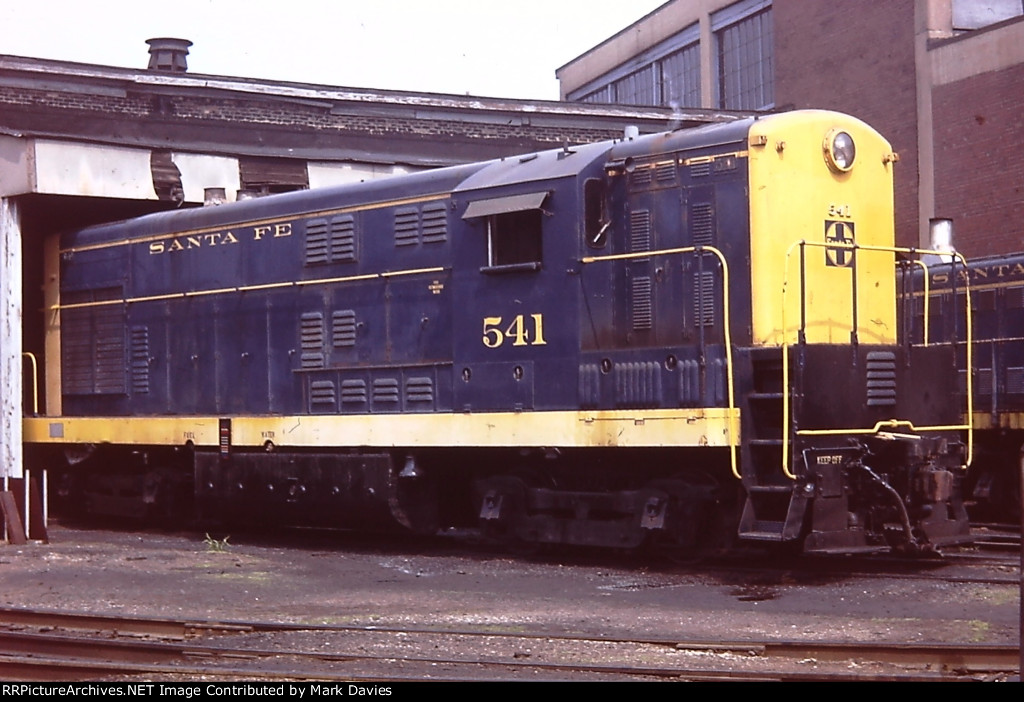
{"x":94,"y":347}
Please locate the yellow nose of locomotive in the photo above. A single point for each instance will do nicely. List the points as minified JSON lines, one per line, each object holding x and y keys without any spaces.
{"x":820,"y":185}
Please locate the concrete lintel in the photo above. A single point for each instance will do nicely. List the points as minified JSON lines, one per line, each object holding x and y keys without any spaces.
{"x":66,"y":168}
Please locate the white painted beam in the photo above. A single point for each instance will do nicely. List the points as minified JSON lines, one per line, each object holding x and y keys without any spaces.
{"x":10,"y":341}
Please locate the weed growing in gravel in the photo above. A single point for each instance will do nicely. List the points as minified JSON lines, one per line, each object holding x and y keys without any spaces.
{"x":216,"y":545}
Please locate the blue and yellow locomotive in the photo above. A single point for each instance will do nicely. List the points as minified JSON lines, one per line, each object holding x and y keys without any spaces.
{"x":934,"y":306}
{"x":678,"y":338}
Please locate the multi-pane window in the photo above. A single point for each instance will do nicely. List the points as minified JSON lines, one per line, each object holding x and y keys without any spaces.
{"x":637,"y":88}
{"x":680,"y":77}
{"x":669,"y":74}
{"x":745,"y":59}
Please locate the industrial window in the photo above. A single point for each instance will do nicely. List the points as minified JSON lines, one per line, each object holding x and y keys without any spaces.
{"x":637,"y":88}
{"x":667,"y":74}
{"x":680,"y":77}
{"x":745,"y":60}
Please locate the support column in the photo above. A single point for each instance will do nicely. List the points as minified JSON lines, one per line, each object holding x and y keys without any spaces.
{"x":10,"y":341}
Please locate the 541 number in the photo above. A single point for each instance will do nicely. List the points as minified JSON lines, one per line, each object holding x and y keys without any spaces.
{"x":525,"y":330}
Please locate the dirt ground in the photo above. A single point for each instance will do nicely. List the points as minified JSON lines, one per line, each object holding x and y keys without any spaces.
{"x":323,"y":578}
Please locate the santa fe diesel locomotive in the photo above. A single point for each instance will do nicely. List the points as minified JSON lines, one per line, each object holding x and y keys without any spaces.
{"x":680,"y":338}
{"x":936,"y":313}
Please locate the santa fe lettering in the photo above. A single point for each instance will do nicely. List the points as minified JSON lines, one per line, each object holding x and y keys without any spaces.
{"x":206,"y":241}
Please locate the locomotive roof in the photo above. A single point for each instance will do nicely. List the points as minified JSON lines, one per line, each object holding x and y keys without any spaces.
{"x":543,"y":165}
{"x":682,"y":140}
{"x":539,"y":166}
{"x":441,"y":180}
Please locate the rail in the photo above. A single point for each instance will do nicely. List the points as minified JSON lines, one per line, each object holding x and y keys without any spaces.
{"x":893,"y":423}
{"x":733,"y":458}
{"x":924,"y":266}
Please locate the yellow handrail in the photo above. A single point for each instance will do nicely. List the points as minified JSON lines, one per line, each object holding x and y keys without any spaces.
{"x":734,"y":461}
{"x":35,"y":382}
{"x":969,"y":426}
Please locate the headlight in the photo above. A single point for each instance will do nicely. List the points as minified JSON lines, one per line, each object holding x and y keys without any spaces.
{"x":840,"y":150}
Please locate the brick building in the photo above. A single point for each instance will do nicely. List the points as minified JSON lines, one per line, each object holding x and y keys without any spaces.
{"x":940,"y":78}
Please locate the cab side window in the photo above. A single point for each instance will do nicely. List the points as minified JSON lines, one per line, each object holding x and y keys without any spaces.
{"x":514,"y":238}
{"x":595,"y":220}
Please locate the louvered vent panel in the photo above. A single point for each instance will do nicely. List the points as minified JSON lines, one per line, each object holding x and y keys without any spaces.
{"x":638,"y":384}
{"x":590,"y":385}
{"x":702,"y":224}
{"x":353,"y":392}
{"x":435,"y":223}
{"x":322,"y":395}
{"x":983,"y":300}
{"x":666,"y":172}
{"x":385,"y":391}
{"x":881,"y":379}
{"x":76,"y":352}
{"x":312,"y":339}
{"x":94,"y":344}
{"x":641,"y":303}
{"x":689,"y":383}
{"x":110,"y":351}
{"x":704,"y":299}
{"x":641,"y":177}
{"x":343,"y":328}
{"x":419,"y":390}
{"x":983,"y":383}
{"x":140,"y":360}
{"x":407,"y":226}
{"x":317,"y":246}
{"x":1015,"y":380}
{"x":343,"y":238}
{"x":639,"y":231}
{"x":1014,"y":298}
{"x":700,"y":170}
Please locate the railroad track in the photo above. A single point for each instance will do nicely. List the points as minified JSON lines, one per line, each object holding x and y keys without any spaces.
{"x":43,"y":645}
{"x":996,"y":537}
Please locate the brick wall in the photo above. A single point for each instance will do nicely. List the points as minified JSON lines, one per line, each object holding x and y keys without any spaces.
{"x":857,"y":58}
{"x":158,"y":119}
{"x":979,"y":166}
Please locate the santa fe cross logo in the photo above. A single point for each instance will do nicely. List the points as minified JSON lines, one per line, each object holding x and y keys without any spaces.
{"x":838,"y":233}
